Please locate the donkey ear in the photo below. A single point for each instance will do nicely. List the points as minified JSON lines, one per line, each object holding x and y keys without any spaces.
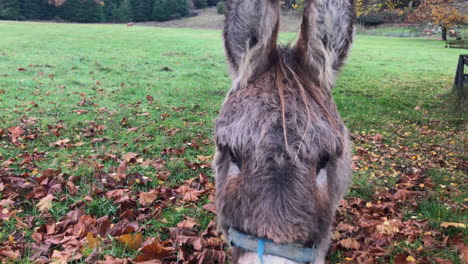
{"x":250,"y":35}
{"x":326,"y":36}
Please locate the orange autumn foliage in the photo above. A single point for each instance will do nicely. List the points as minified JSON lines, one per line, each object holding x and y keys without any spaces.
{"x":443,"y":13}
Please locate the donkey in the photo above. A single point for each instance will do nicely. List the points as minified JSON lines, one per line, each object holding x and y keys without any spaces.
{"x":283,"y":155}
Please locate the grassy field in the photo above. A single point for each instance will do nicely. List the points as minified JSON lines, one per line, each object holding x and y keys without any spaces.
{"x":209,"y":18}
{"x":106,"y":145}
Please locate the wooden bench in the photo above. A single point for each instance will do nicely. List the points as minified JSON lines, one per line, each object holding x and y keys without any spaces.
{"x":461,"y":79}
{"x":458,"y":44}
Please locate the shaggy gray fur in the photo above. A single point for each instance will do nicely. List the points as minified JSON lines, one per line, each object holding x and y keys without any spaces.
{"x":266,"y":188}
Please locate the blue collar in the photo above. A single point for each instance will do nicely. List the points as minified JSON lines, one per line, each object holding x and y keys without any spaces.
{"x":268,"y":247}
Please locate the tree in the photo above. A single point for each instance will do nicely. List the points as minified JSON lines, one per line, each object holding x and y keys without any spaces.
{"x":124,"y":12}
{"x":9,"y":9}
{"x":366,"y":7}
{"x":86,"y":11}
{"x":31,"y":9}
{"x":48,"y":9}
{"x":162,"y":10}
{"x":109,"y":10}
{"x":199,"y":4}
{"x":70,"y":10}
{"x":167,"y":9}
{"x":443,"y":13}
{"x":142,"y":9}
{"x":91,"y":11}
{"x":213,"y":2}
{"x":181,"y":8}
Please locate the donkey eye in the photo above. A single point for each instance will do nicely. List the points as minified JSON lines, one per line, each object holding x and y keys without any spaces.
{"x":235,"y":159}
{"x":324,"y":159}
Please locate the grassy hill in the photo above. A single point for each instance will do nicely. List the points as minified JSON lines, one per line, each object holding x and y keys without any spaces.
{"x":208,"y":18}
{"x":106,"y":142}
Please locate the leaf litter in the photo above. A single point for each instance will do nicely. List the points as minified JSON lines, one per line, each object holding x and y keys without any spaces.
{"x":371,"y":228}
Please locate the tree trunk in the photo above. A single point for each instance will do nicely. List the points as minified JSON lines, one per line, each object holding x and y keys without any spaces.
{"x":444,"y":33}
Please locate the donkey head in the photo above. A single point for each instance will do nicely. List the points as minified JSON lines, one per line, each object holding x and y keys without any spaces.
{"x":283,"y":155}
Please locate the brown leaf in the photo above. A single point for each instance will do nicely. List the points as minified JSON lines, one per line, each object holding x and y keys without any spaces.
{"x":188,"y":223}
{"x":204,"y":159}
{"x":402,"y":195}
{"x":9,"y":253}
{"x":131,"y":241}
{"x":116,"y":194}
{"x":60,"y":257}
{"x":377,"y":138}
{"x":196,"y":242}
{"x":450,"y":224}
{"x":210,"y":207}
{"x":189,"y":194}
{"x":464,"y":254}
{"x":45,"y":203}
{"x":60,"y":143}
{"x":388,"y":227}
{"x":80,"y":112}
{"x":72,"y":189}
{"x":192,"y":196}
{"x":350,"y":243}
{"x":154,"y":251}
{"x":212,"y":256}
{"x":347,"y":227}
{"x":6,"y":213}
{"x":93,"y":241}
{"x":429,"y":241}
{"x":15,"y":133}
{"x":147,"y":198}
{"x":122,"y":167}
{"x":130,"y":157}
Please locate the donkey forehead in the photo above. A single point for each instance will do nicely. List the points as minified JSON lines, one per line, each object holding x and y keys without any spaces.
{"x":251,"y":123}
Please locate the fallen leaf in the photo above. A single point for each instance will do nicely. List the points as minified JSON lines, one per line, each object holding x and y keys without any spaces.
{"x":188,"y":223}
{"x":450,"y":224}
{"x":350,"y":243}
{"x":388,"y":227}
{"x":131,"y":241}
{"x":147,"y":198}
{"x":60,"y":257}
{"x":9,"y":253}
{"x":153,"y":251}
{"x":93,"y":241}
{"x":45,"y":203}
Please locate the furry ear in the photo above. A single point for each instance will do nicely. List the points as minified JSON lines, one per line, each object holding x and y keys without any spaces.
{"x":250,"y":36}
{"x":326,"y":36}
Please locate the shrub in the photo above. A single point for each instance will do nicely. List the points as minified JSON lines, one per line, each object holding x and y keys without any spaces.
{"x":220,"y":7}
{"x":170,"y":9}
{"x":10,"y":9}
{"x":213,"y":2}
{"x":162,"y":10}
{"x":200,"y":4}
{"x":10,"y":13}
{"x":371,"y":20}
{"x":181,"y":8}
{"x":123,"y":13}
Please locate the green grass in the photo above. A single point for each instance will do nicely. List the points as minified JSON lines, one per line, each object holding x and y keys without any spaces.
{"x":389,"y":86}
